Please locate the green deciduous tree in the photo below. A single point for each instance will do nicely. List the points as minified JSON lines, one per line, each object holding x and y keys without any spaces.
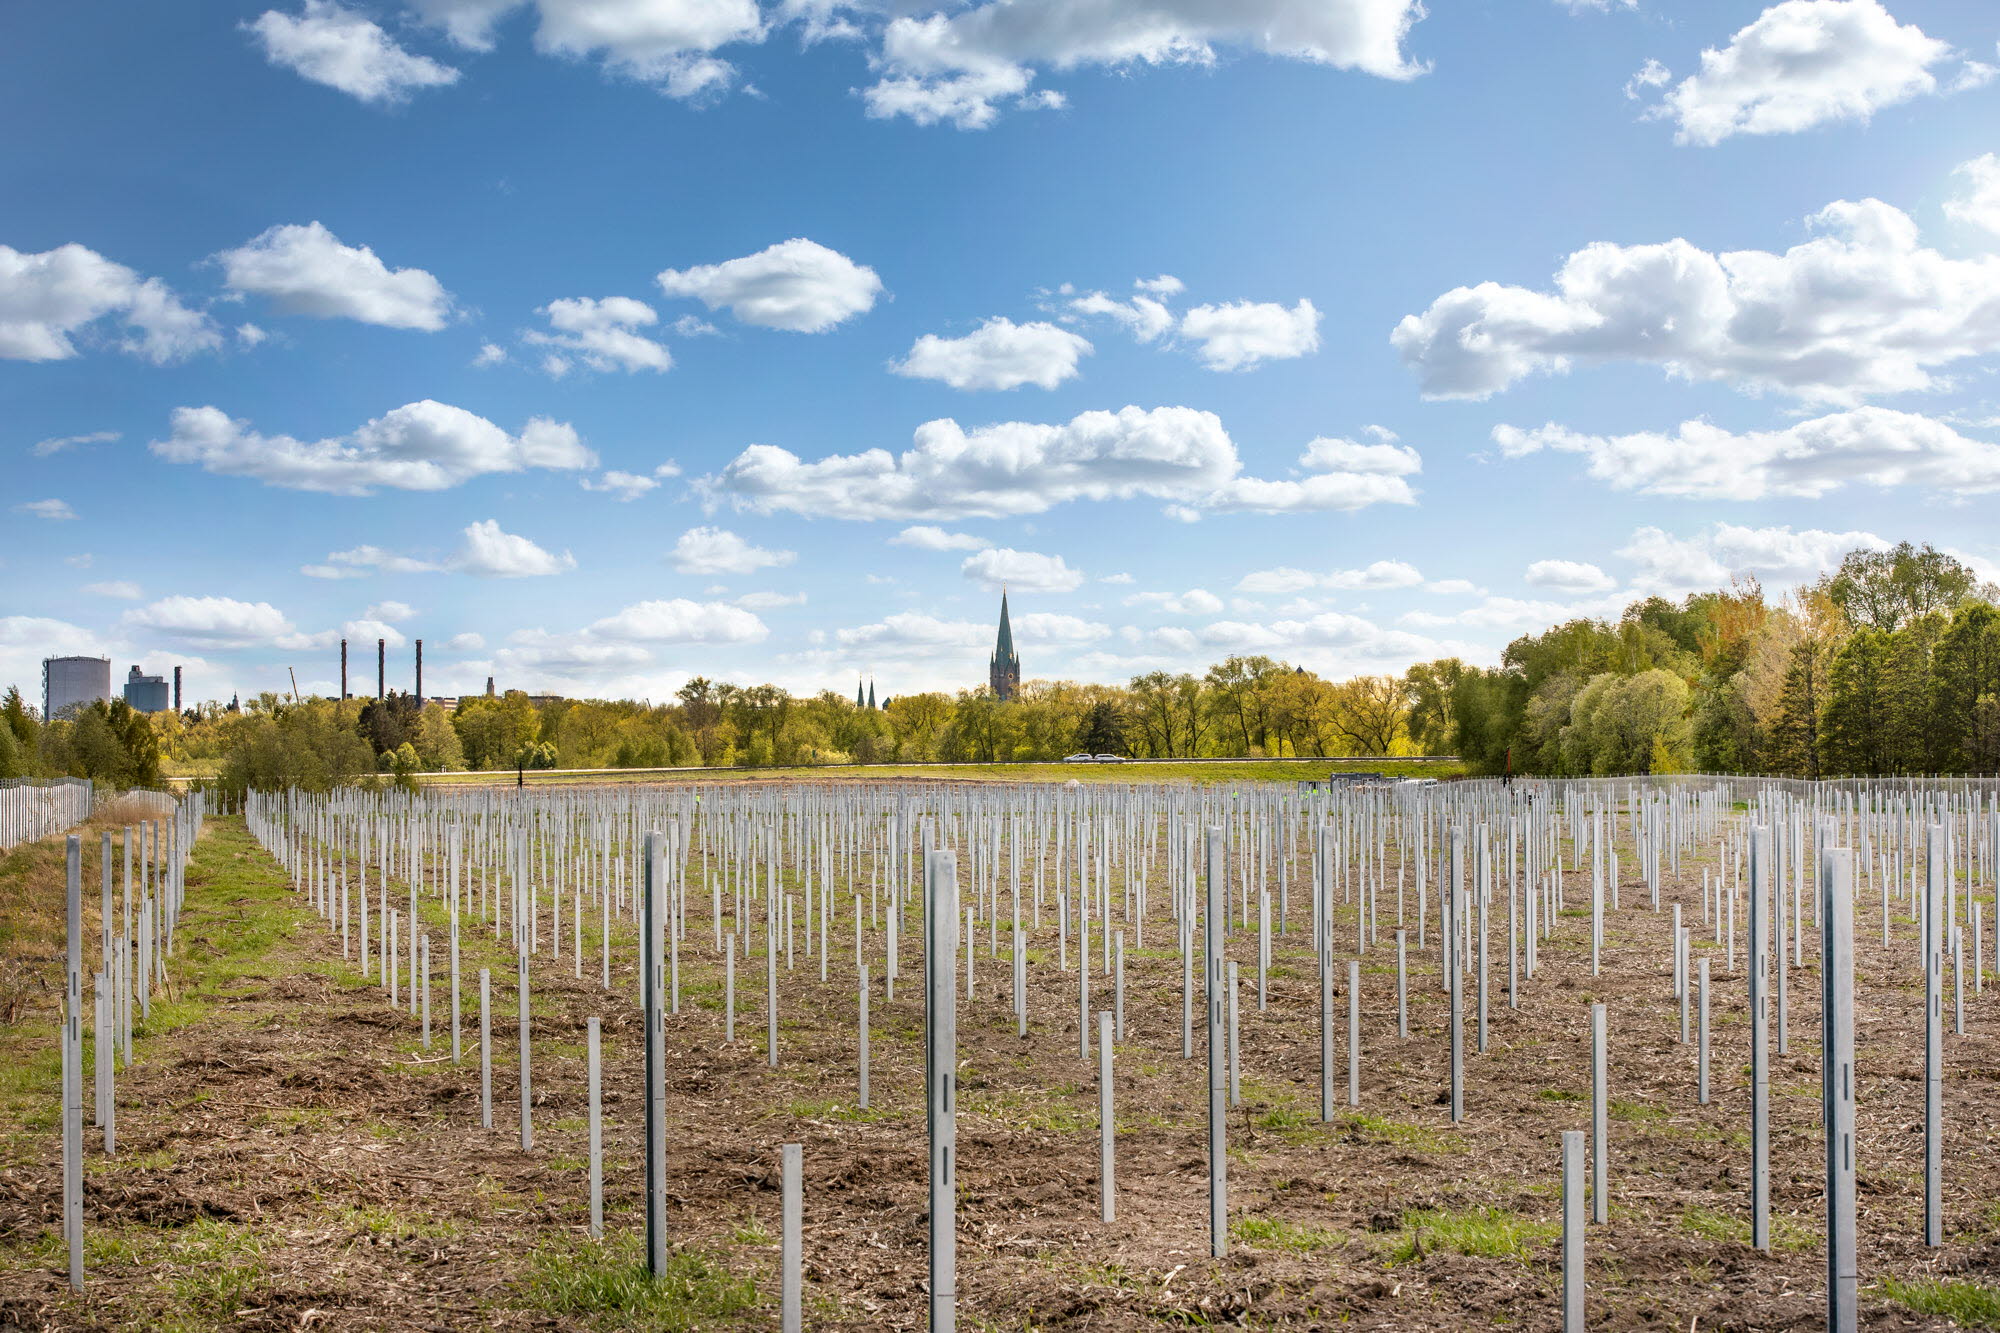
{"x":1853,"y":734}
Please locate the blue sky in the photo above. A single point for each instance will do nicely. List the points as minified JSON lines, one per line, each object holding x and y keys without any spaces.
{"x":601,"y":343}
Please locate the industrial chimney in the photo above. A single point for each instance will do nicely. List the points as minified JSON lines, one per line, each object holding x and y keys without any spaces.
{"x":177,"y":689}
{"x":343,"y":669}
{"x":420,"y":673}
{"x":381,"y":668}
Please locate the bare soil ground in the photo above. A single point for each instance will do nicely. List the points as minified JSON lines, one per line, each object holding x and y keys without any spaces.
{"x":291,"y":1156}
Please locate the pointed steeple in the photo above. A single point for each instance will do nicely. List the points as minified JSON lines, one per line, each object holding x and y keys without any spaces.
{"x":857,"y":692}
{"x":1004,"y":670}
{"x":1004,"y":649}
{"x":871,"y":694}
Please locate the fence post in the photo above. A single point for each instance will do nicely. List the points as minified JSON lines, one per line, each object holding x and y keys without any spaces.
{"x":1836,"y":914}
{"x":941,"y":1079}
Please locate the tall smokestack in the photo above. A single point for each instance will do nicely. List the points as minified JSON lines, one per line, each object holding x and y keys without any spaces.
{"x":343,"y":668}
{"x":420,"y":673}
{"x":381,"y":668}
{"x":177,"y":689}
{"x":489,"y":687}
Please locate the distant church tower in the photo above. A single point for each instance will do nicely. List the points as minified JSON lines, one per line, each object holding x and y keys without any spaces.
{"x":1004,"y":672}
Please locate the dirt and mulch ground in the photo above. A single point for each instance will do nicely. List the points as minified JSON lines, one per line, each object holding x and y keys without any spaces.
{"x":291,"y":1156}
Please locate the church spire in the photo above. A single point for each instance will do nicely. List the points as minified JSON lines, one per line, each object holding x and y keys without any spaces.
{"x":871,"y":694}
{"x":1003,"y":674}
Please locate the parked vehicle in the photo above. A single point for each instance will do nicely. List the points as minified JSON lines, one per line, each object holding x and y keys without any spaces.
{"x":1079,"y":759}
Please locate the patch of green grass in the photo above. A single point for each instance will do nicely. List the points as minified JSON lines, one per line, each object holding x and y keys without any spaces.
{"x":215,"y":1267}
{"x":1016,"y":1110}
{"x":1289,"y":1120}
{"x":1634,"y":1112}
{"x":1479,"y":1233}
{"x":750,"y":1231}
{"x":1711,"y":1224}
{"x":300,"y":1117}
{"x":1967,"y":1304}
{"x":1272,"y":1233}
{"x":1104,"y":1275}
{"x":832,"y":1108}
{"x":144,"y":1161}
{"x":1420,"y":1138}
{"x":605,"y":1284}
{"x":395,"y":1224}
{"x":1560,"y":1095}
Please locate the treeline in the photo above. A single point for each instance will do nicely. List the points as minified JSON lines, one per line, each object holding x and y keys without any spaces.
{"x":1246,"y":706}
{"x":107,"y":742}
{"x":1889,"y":665}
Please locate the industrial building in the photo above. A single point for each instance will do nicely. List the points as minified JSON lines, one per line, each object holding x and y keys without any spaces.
{"x":70,"y":681}
{"x":146,"y":694}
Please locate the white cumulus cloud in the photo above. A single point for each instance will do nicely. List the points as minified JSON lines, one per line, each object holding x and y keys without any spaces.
{"x":1193,"y":602}
{"x":679,"y":620}
{"x":491,"y":553}
{"x":999,"y":354}
{"x":630,"y":485}
{"x":962,"y":65}
{"x":1144,"y":317}
{"x":927,"y":537}
{"x":1860,"y":308}
{"x":1867,"y":446}
{"x":1978,"y":204}
{"x":361,"y":561}
{"x":1002,"y":567}
{"x":796,"y":285}
{"x":1803,"y":63}
{"x":307,"y":270}
{"x":1343,"y":475}
{"x":666,"y":43}
{"x":484,"y":550}
{"x":718,"y":551}
{"x":1775,"y":555}
{"x":47,"y":299}
{"x":1175,"y":454}
{"x":1286,"y":579}
{"x":1569,"y":576}
{"x":210,"y":622}
{"x":1242,"y":334}
{"x":770,"y":601}
{"x":421,"y":446}
{"x":602,"y":334}
{"x":332,"y":45}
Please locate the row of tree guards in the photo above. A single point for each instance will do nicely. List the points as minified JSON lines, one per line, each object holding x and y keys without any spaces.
{"x":32,"y":809}
{"x":814,"y":871}
{"x":137,"y":916}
